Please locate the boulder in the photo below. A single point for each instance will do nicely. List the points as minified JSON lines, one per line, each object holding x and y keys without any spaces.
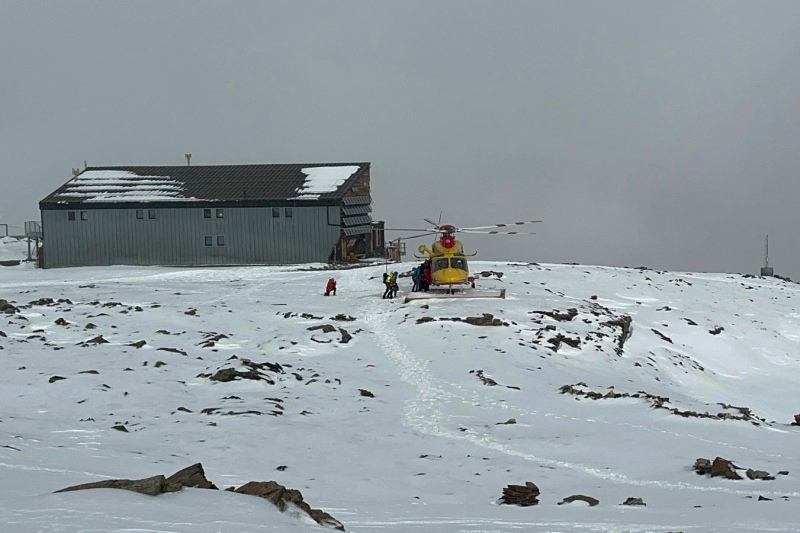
{"x":758,"y":474}
{"x":282,"y":498}
{"x":522,"y":495}
{"x":702,"y":466}
{"x":634,"y":501}
{"x":580,"y":497}
{"x":724,"y":468}
{"x":191,"y":476}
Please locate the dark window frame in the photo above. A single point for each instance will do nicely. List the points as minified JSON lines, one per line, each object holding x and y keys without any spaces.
{"x":220,"y":240}
{"x":276,"y":212}
{"x":84,"y":215}
{"x":140,"y":214}
{"x":208,"y":240}
{"x":151,"y":214}
{"x":206,"y":213}
{"x":288,"y":212}
{"x":71,"y":215}
{"x":220,"y":213}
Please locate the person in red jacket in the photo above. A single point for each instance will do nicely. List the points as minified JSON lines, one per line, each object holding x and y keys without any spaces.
{"x":330,"y":288}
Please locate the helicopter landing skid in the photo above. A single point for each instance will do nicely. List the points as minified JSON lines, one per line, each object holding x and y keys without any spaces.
{"x":453,"y":295}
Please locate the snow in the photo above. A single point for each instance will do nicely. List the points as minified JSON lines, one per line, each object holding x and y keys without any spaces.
{"x":431,"y":450}
{"x":321,"y":180}
{"x":121,"y":185}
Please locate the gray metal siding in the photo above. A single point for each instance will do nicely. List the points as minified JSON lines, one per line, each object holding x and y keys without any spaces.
{"x":176,"y":237}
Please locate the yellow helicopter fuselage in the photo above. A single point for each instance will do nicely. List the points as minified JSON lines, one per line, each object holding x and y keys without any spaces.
{"x":448,"y":264}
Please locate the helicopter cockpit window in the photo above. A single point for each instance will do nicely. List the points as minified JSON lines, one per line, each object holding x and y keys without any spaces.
{"x":439,"y":264}
{"x":458,"y":262}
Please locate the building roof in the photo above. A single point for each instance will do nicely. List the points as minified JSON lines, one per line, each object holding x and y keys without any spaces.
{"x":297,"y":182}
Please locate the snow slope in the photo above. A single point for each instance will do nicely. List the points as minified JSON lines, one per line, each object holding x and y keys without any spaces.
{"x":434,"y":444}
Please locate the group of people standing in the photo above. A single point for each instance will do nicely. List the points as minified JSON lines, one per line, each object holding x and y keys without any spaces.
{"x":421,"y":277}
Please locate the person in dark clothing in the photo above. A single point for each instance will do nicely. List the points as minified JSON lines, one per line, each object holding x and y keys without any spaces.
{"x":330,"y":288}
{"x":415,"y":274}
{"x":426,"y":274}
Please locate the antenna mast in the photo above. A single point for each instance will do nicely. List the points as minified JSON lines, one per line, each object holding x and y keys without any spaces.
{"x":767,"y":270}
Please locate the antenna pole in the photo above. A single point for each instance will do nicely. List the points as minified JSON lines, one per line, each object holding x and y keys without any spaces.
{"x":188,"y":159}
{"x":766,"y":257}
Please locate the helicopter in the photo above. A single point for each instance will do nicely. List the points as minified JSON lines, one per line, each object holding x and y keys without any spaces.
{"x":448,"y":261}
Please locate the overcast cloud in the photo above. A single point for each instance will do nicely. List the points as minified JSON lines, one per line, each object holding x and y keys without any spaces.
{"x":662,"y":134}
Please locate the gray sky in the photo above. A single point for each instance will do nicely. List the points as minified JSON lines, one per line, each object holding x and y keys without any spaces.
{"x":661,"y":134}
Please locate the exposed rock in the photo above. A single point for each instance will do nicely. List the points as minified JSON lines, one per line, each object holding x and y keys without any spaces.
{"x":717,"y":330}
{"x":580,"y":497}
{"x":6,"y":307}
{"x":138,"y":344}
{"x":53,"y":379}
{"x":486,"y":320}
{"x":522,"y":495}
{"x":282,"y":497}
{"x":702,"y":466}
{"x":120,"y":427}
{"x":425,"y":319}
{"x":796,"y":420}
{"x":95,"y":340}
{"x":661,"y":335}
{"x":231,"y":374}
{"x":61,"y":322}
{"x":510,"y":421}
{"x":326,"y":328}
{"x":191,"y":476}
{"x":724,"y":468}
{"x":343,"y":318}
{"x":173,"y":350}
{"x":365,"y":392}
{"x":556,"y":315}
{"x":623,"y":322}
{"x":634,"y":501}
{"x":346,"y":337}
{"x":152,"y":486}
{"x":758,"y":474}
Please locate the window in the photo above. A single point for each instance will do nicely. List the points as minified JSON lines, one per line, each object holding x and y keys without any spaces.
{"x":84,"y":215}
{"x":209,"y":240}
{"x":151,"y":214}
{"x":439,"y":264}
{"x":220,"y":213}
{"x":220,"y":240}
{"x":276,"y":212}
{"x":140,"y":214}
{"x":71,"y":215}
{"x":206,"y":213}
{"x":287,"y":212}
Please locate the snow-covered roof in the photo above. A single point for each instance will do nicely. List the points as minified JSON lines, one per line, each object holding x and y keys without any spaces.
{"x":296,"y":182}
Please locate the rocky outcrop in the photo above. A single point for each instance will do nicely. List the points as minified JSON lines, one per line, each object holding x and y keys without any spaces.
{"x":580,"y":497}
{"x":151,"y":486}
{"x":284,"y":498}
{"x":721,"y":467}
{"x":194,"y":477}
{"x":521,"y":495}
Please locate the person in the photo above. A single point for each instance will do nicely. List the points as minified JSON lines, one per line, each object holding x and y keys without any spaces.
{"x":330,"y":287}
{"x":387,"y":284}
{"x":393,"y":287}
{"x":426,"y":272}
{"x":415,"y":272}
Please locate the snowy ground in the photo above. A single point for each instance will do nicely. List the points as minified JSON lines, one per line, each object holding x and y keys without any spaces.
{"x":431,"y":450}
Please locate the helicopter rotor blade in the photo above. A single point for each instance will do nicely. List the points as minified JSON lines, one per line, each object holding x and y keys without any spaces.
{"x":484,"y":232}
{"x":406,"y":229}
{"x":505,"y":225}
{"x":431,"y":222}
